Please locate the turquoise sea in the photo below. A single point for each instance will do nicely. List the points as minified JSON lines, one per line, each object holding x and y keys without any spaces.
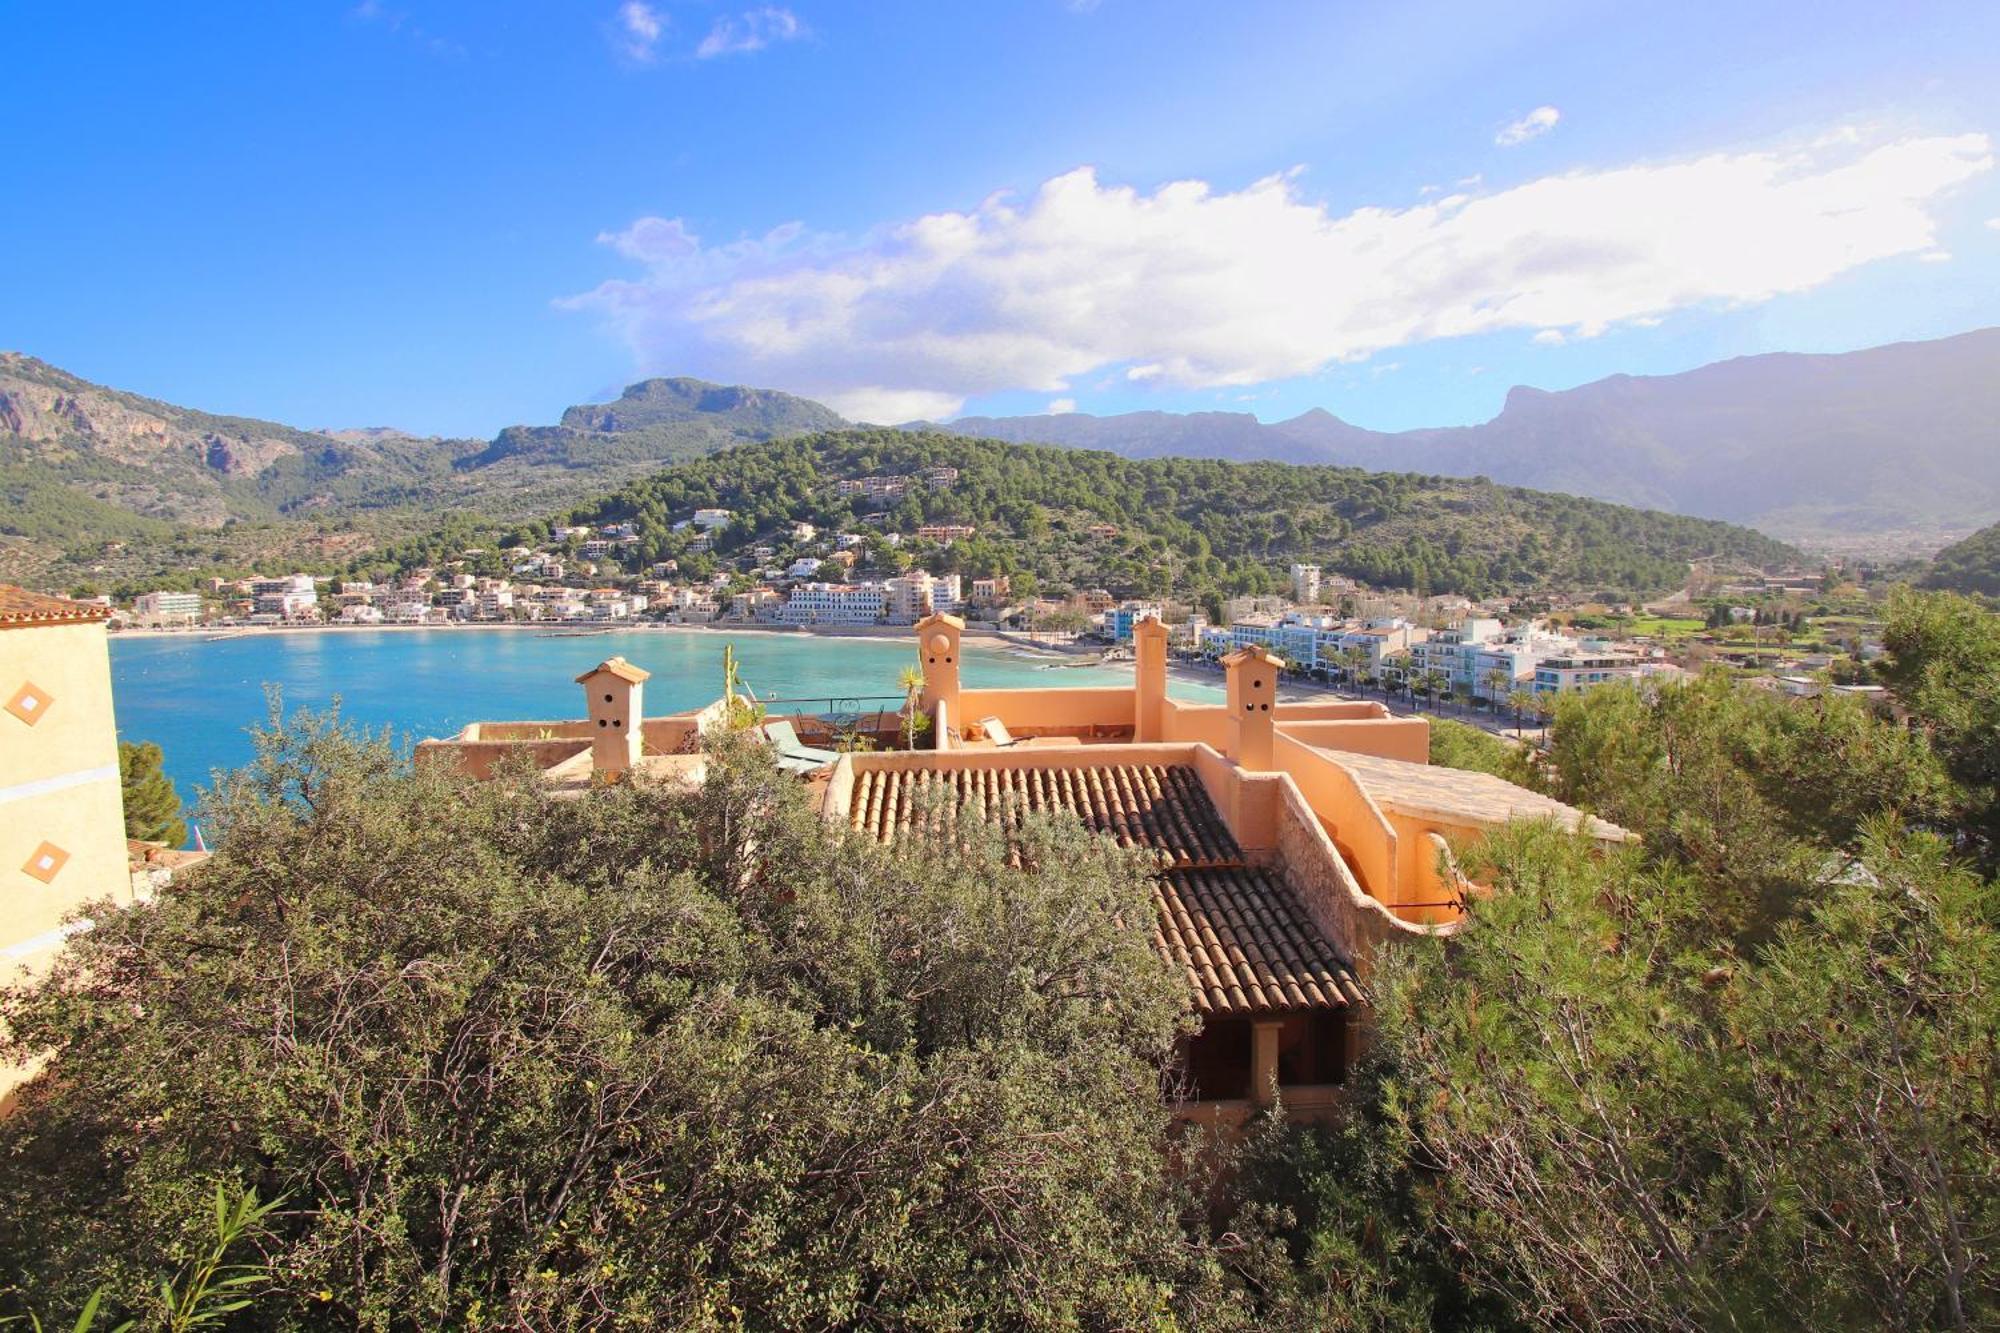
{"x":195,"y":696}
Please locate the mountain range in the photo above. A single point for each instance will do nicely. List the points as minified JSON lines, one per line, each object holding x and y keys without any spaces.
{"x":1902,"y":437}
{"x":89,"y":472}
{"x":1899,"y":438}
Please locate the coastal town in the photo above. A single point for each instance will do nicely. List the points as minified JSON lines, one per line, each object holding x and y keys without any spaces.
{"x":1793,"y":630}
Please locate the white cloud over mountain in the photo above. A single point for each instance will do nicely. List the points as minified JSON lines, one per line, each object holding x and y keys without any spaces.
{"x":1531,"y":126}
{"x":1199,"y":287}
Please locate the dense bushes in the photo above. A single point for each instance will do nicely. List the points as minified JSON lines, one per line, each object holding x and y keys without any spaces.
{"x":637,"y":1059}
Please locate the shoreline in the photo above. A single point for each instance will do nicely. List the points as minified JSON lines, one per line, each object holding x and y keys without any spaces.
{"x":983,"y":637}
{"x":563,"y":629}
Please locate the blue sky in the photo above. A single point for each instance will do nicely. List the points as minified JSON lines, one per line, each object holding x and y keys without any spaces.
{"x":455,"y":216}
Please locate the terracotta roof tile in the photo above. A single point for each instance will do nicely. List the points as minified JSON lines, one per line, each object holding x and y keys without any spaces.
{"x":1246,"y":943}
{"x":20,"y":607}
{"x":1162,"y":809}
{"x":619,"y":667}
{"x":1240,"y":934}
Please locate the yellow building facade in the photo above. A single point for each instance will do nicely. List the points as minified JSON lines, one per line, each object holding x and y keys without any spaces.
{"x":62,"y":817}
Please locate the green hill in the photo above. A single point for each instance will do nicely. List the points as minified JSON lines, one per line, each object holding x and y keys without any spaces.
{"x":1187,"y":527}
{"x":1971,"y":566}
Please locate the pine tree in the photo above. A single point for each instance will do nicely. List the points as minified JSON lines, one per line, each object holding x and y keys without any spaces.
{"x":152,"y":806}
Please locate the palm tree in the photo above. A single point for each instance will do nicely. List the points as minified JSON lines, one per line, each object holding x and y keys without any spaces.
{"x":1497,"y":684}
{"x":1352,"y":661}
{"x":1434,"y":682}
{"x":915,"y":722}
{"x":1522,"y":701}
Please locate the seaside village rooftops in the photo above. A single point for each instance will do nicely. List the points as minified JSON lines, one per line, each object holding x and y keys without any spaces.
{"x":1290,"y":842}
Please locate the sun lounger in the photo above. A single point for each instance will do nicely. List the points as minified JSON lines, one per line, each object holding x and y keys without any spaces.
{"x":996,"y":731}
{"x":794,"y":756}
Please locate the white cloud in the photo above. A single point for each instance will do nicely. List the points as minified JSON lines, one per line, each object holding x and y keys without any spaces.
{"x":640,"y":27}
{"x":1993,"y":223}
{"x":891,"y":407}
{"x":752,"y":30}
{"x":1061,"y":406}
{"x":400,"y":23}
{"x":1531,"y":126}
{"x":1549,"y":338}
{"x":1195,"y":287}
{"x":1935,"y":256}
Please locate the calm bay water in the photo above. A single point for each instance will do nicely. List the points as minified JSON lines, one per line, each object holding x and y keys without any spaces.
{"x":196,"y":697}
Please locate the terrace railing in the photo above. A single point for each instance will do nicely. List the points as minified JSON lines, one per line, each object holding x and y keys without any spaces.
{"x":837,"y":710}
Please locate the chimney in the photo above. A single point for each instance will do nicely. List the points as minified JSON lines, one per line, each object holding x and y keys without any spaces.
{"x":1251,"y":676}
{"x":1149,"y":691}
{"x":613,"y":697}
{"x":937,"y":654}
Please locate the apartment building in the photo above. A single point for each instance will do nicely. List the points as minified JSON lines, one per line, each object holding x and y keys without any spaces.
{"x":912,"y":596}
{"x":1575,"y":672}
{"x":167,"y":608}
{"x":833,"y":604}
{"x":290,"y":598}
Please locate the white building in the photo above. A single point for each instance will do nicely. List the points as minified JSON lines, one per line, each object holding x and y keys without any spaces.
{"x":912,"y":596}
{"x":1573,"y":673}
{"x":289,"y":598}
{"x":833,"y":604}
{"x":167,"y":608}
{"x":1305,"y":584}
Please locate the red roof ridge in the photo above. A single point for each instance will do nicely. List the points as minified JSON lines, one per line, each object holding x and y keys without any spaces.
{"x":19,"y":607}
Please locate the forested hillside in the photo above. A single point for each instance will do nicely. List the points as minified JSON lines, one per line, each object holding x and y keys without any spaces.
{"x":1972,"y":565}
{"x":1189,"y":525}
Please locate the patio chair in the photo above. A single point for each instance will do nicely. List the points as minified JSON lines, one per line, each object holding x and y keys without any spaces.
{"x":996,"y":731}
{"x":794,"y":756}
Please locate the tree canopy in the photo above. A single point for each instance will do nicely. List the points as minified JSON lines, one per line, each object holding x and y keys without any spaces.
{"x":635,"y":1060}
{"x":1186,"y":525}
{"x":152,"y":806}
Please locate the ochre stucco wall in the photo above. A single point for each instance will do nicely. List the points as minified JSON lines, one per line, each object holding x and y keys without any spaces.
{"x":58,"y":784}
{"x":1405,"y":738}
{"x":1360,"y":830}
{"x":1046,"y":712}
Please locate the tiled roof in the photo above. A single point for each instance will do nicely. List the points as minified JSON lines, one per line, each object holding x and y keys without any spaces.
{"x":1246,"y":943}
{"x":1240,"y":934}
{"x":18,"y":606}
{"x":1460,"y":795}
{"x":619,"y":667}
{"x":1161,"y":808}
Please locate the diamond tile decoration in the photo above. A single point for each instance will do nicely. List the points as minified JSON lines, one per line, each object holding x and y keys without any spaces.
{"x":30,"y":702}
{"x":46,"y":862}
